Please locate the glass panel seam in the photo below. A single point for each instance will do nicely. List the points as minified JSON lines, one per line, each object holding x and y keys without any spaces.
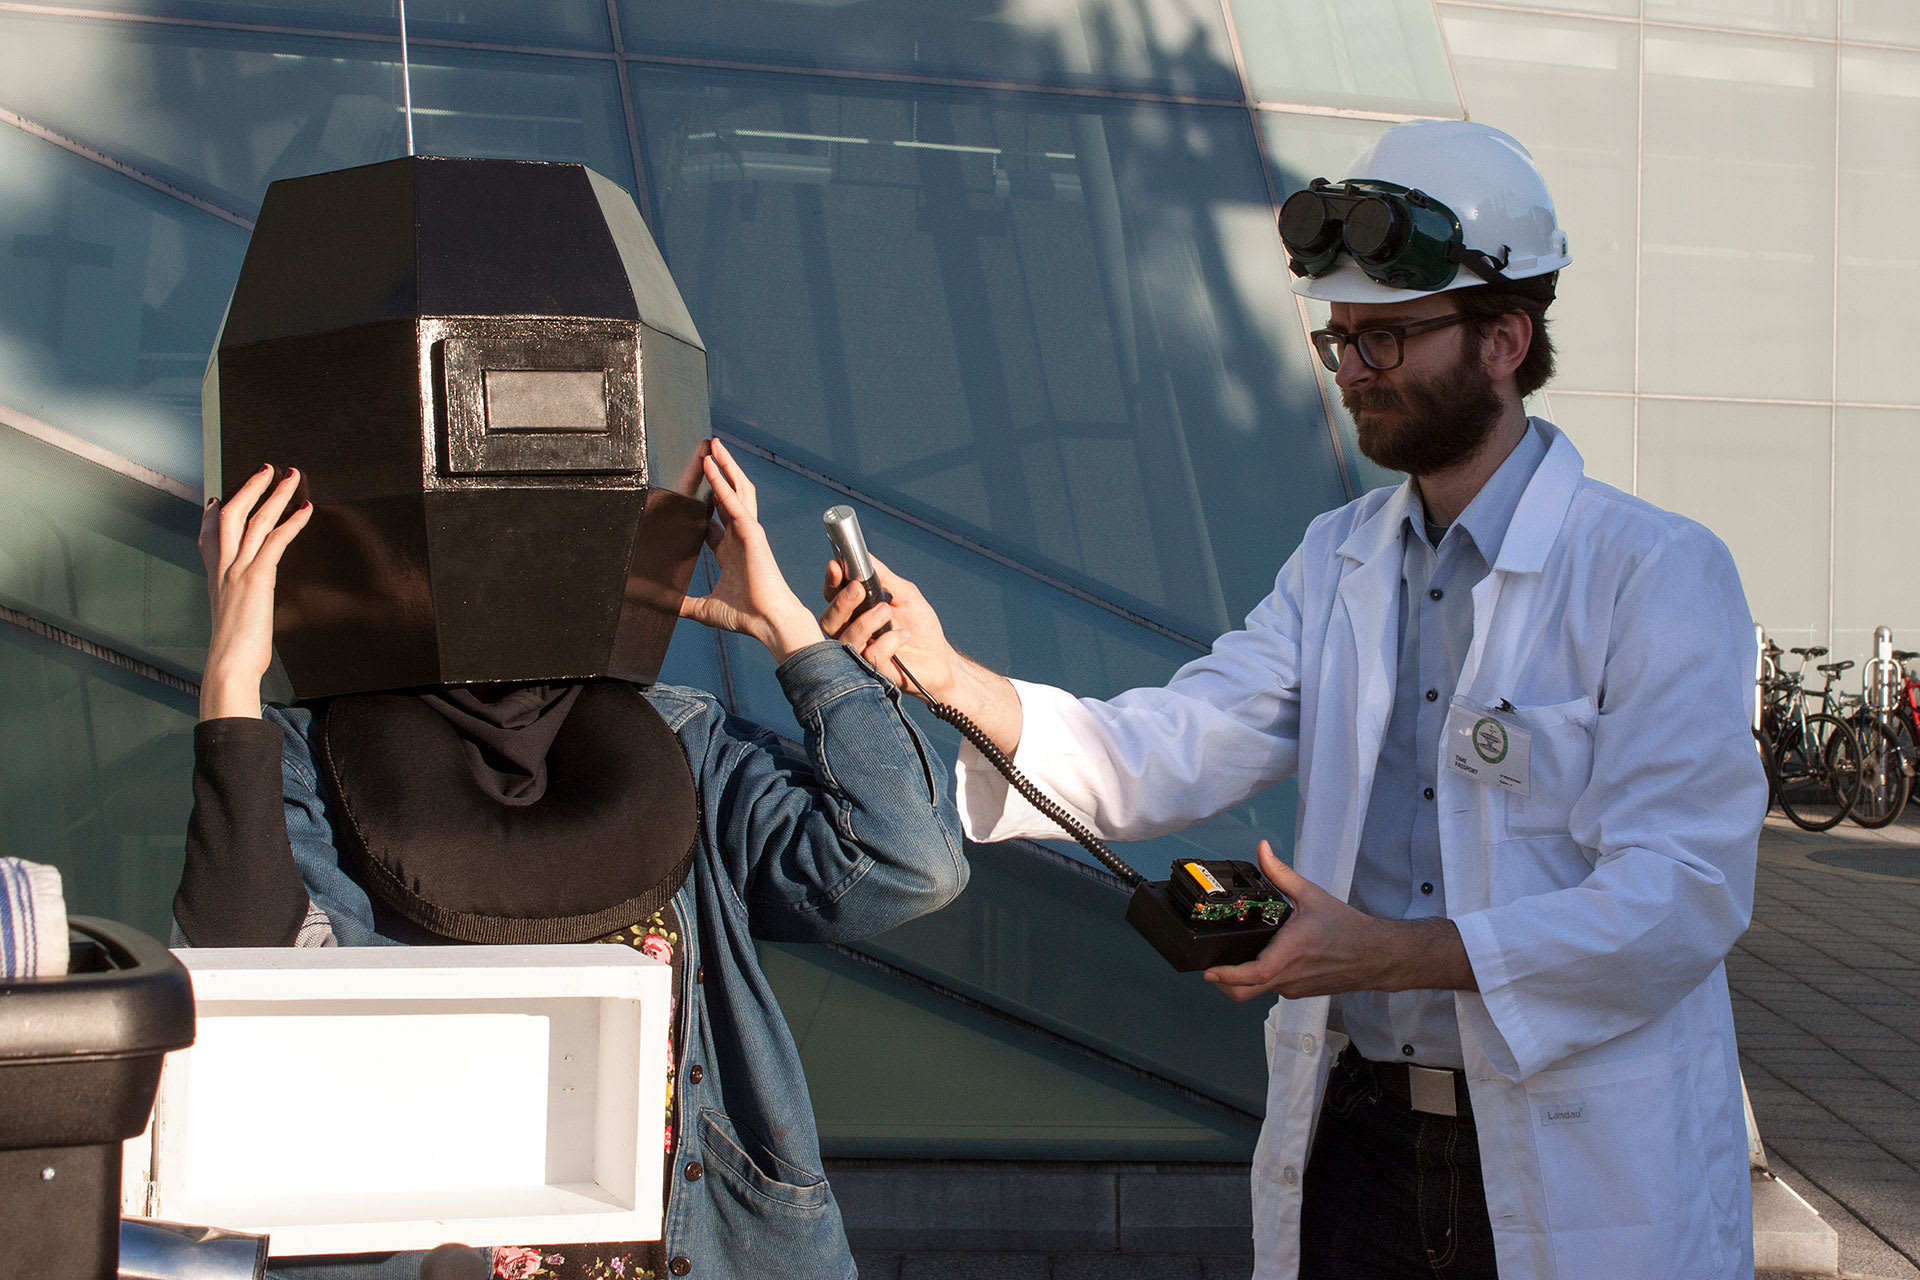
{"x":100,"y":652}
{"x":1038,"y":1030}
{"x":938,"y":82}
{"x":1669,"y":24}
{"x":277,"y":29}
{"x":1453,"y":72}
{"x":1344,"y":113}
{"x":1718,"y":399}
{"x":121,"y":167}
{"x":629,"y":116}
{"x":1639,"y":238}
{"x":1833,"y":359}
{"x":87,"y":451}
{"x":960,"y":540}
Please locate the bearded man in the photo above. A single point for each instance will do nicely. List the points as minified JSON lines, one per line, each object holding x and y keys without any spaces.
{"x":1517,"y":701}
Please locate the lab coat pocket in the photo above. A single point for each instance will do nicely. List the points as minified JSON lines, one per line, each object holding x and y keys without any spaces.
{"x":1559,"y":767}
{"x":1610,"y":1137}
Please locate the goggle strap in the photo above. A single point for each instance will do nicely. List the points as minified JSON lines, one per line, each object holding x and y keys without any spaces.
{"x":1482,"y":264}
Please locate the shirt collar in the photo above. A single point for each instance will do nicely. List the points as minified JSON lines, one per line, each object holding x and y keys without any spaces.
{"x":1490,"y":513}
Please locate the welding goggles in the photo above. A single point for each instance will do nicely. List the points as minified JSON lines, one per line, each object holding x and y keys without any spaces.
{"x":1401,"y":237}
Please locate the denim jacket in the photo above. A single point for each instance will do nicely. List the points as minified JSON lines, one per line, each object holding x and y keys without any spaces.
{"x":854,"y":836}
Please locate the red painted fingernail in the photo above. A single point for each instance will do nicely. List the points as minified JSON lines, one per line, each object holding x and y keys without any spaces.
{"x":265,"y":466}
{"x":211,"y":501}
{"x":306,"y":506}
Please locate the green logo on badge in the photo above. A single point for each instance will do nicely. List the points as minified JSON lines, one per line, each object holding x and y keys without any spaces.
{"x":1490,"y":739}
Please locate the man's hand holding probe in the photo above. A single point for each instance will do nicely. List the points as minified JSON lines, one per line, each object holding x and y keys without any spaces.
{"x":941,"y":673}
{"x":1326,"y":947}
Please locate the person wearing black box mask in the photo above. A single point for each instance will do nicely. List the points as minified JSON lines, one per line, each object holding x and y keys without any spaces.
{"x":491,"y":405}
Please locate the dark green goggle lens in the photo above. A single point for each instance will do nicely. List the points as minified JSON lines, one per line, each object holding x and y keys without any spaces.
{"x":1403,"y":238}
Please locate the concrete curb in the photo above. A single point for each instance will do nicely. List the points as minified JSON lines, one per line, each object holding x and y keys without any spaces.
{"x":1789,"y":1235}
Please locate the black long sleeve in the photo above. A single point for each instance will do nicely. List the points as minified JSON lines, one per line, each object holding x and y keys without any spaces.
{"x":240,"y":887}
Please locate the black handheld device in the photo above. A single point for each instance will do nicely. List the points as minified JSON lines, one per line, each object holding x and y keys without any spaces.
{"x":1203,"y":914}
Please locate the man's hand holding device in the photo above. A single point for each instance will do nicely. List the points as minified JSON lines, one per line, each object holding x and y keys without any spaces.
{"x":1207,"y":913}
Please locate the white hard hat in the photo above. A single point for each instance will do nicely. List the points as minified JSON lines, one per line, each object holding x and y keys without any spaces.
{"x":1484,"y":177}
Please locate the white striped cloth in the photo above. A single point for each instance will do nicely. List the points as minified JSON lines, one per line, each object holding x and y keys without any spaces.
{"x":33,"y":920}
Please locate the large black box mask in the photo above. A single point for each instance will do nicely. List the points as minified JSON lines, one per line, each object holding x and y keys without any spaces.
{"x":499,"y":404}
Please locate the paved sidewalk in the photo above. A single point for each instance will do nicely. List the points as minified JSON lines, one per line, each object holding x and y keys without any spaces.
{"x":1826,"y":996}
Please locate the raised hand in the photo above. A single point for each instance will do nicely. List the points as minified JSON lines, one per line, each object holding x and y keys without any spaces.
{"x":752,"y":596}
{"x":906,"y":628}
{"x":241,"y":542}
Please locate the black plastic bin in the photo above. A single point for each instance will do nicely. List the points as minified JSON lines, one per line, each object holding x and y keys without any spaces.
{"x":80,"y":1060}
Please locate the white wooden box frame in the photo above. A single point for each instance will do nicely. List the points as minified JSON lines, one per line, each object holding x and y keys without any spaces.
{"x":361,"y":1099}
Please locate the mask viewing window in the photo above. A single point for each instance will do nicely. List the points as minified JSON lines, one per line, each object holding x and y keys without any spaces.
{"x":545,"y":400}
{"x":525,"y":397}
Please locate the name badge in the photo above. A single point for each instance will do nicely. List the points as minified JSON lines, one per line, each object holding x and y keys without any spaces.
{"x":1487,"y":747}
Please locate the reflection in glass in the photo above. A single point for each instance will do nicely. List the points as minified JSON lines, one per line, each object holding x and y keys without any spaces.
{"x":110,"y":294}
{"x":1876,"y":456}
{"x":1882,"y":21}
{"x":1879,"y":280}
{"x":1007,"y":621}
{"x":576,"y":24}
{"x":1375,"y":55}
{"x":1786,"y":17}
{"x":94,"y":769}
{"x":1049,"y":942}
{"x":101,"y":555}
{"x":1569,"y":90}
{"x":1737,"y":206}
{"x":1058,"y":326}
{"x":1757,"y":475}
{"x":897,"y":1070}
{"x":223,"y":113}
{"x":1164,"y":46}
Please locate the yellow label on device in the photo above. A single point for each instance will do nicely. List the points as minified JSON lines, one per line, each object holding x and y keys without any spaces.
{"x":1204,"y":877}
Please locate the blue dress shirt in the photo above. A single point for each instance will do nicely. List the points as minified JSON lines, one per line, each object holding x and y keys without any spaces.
{"x":1398,"y":875}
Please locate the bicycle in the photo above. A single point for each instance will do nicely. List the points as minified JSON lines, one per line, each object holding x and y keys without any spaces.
{"x":1886,"y":775}
{"x":1813,"y":757}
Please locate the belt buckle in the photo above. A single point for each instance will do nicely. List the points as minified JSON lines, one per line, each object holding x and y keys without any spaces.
{"x":1431,"y":1091}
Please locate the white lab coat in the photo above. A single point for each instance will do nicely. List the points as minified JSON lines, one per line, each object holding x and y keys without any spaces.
{"x":1596,"y":911}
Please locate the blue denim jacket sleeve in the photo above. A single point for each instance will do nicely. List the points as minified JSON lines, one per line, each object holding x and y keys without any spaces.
{"x":311,"y":835}
{"x":850,"y":835}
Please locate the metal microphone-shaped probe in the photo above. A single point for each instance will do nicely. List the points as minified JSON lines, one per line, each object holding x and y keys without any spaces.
{"x":850,"y":549}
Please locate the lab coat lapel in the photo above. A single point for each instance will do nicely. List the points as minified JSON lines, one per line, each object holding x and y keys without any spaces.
{"x":1369,"y":596}
{"x":1530,"y":538}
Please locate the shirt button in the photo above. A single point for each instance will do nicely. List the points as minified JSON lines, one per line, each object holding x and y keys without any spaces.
{"x":1306,"y":1044}
{"x":679,"y":1266}
{"x":1428,"y":793}
{"x":1435,"y":594}
{"x":697,"y":1072}
{"x":694,"y":1171}
{"x":1406,"y":1051}
{"x":1433,"y":695}
{"x":1289,"y":1176}
{"x":1425,"y":888}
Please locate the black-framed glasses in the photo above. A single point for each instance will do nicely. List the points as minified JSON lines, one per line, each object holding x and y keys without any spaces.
{"x":1381,"y":346}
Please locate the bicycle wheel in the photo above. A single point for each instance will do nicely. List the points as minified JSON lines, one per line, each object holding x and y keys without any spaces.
{"x":1909,"y":743}
{"x":1818,"y":768}
{"x":1884,"y":782}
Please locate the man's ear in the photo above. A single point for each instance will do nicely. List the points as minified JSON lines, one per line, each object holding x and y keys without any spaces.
{"x":1503,"y":348}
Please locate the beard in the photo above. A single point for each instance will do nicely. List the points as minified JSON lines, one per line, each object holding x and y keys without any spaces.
{"x":1426,"y":425}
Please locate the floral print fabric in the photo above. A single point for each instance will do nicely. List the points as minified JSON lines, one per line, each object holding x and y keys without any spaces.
{"x":658,"y":937}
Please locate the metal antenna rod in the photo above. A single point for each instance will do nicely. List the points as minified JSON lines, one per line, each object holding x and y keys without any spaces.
{"x":406,"y":76}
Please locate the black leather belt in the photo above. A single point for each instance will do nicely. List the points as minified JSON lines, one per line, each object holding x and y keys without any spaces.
{"x":1433,"y":1091}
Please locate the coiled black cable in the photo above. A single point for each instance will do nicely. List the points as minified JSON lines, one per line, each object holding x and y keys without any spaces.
{"x":1023,"y":784}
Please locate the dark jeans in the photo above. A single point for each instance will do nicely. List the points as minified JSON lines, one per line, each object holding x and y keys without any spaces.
{"x":1391,"y":1191}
